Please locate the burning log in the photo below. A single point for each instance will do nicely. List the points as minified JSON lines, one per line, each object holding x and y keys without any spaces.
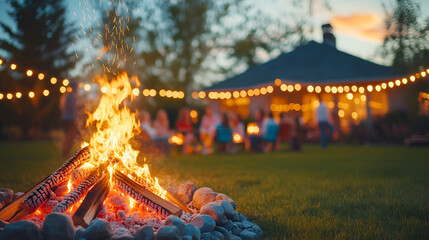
{"x":40,"y":195}
{"x":14,"y":210}
{"x":78,"y":192}
{"x":79,"y":174}
{"x":92,"y":203}
{"x":142,"y":195}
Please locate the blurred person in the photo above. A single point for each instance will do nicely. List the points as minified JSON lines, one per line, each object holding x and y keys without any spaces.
{"x":146,"y":125}
{"x":285,"y":126}
{"x":162,"y":128}
{"x":269,"y":132}
{"x":224,"y":134}
{"x":207,"y":130}
{"x":296,"y":135}
{"x":184,"y":126}
{"x":326,"y":129}
{"x":237,"y":127}
{"x":69,"y":108}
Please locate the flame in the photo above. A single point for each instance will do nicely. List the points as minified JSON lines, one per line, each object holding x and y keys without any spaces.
{"x":69,"y":186}
{"x":114,"y":126}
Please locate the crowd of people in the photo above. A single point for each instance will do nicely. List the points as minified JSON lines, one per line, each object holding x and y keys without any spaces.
{"x":224,"y":132}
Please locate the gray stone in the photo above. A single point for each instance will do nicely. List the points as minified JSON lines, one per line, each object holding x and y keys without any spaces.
{"x":236,"y":230}
{"x":122,"y":234}
{"x":215,"y":211}
{"x":58,"y":226}
{"x":98,"y":229}
{"x":236,"y":217}
{"x":179,"y":223}
{"x":20,"y":230}
{"x":79,"y":233}
{"x":229,"y":225}
{"x":167,"y":233}
{"x":239,"y":225}
{"x":242,"y":217}
{"x":187,"y":237}
{"x":186,"y":192}
{"x":192,"y":231}
{"x":219,"y":235}
{"x":248,"y":235}
{"x":235,"y":237}
{"x":206,"y":236}
{"x":203,"y":196}
{"x":247,"y":224}
{"x":226,"y":234}
{"x":222,"y":196}
{"x":6,"y":195}
{"x":227,"y":208}
{"x":145,"y":233}
{"x":256,"y":229}
{"x":3,"y":223}
{"x":204,"y":222}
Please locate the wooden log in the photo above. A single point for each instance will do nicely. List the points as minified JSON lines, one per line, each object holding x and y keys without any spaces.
{"x":79,"y":174}
{"x":41,"y":194}
{"x":142,"y":195}
{"x":77,"y":193}
{"x":92,"y":203}
{"x":14,"y":211}
{"x":178,"y":203}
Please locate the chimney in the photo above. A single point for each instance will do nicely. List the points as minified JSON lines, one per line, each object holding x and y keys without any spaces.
{"x":328,"y":36}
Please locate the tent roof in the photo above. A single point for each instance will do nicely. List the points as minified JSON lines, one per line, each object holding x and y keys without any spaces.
{"x":311,"y":63}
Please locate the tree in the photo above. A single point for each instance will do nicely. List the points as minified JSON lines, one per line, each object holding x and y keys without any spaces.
{"x":39,"y":41}
{"x":406,"y":41}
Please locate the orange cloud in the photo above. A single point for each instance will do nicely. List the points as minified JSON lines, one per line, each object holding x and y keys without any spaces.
{"x":365,"y":26}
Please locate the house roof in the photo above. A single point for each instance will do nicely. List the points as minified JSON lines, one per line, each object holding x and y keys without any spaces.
{"x":311,"y":63}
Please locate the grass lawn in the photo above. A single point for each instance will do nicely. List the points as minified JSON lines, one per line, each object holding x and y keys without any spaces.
{"x":345,"y":192}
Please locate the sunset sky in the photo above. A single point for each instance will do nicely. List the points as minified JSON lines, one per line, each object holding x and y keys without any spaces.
{"x":358,"y":25}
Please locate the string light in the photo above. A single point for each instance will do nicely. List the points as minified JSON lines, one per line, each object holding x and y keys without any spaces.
{"x":9,"y":96}
{"x":327,"y":89}
{"x":87,"y":87}
{"x":46,"y":92}
{"x":53,"y":80}
{"x":318,"y":89}
{"x":283,"y":87}
{"x":369,"y":88}
{"x":13,"y":66}
{"x":136,"y":92}
{"x":202,"y":94}
{"x":1,"y":95}
{"x":361,"y":89}
{"x":346,"y":88}
{"x":404,"y":81}
{"x":297,"y":87}
{"x":383,"y":85}
{"x":354,"y":88}
{"x":63,"y":89}
{"x":1,"y":62}
{"x":290,"y":88}
{"x":29,"y":73}
{"x":310,"y":88}
{"x":397,"y":82}
{"x":18,"y":95}
{"x":66,"y":82}
{"x":31,"y":94}
{"x":270,"y":89}
{"x":41,"y":76}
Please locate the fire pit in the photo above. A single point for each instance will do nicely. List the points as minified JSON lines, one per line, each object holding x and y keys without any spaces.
{"x":102,"y":192}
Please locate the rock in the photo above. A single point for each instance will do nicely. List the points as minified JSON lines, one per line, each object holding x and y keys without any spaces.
{"x":6,"y":195}
{"x":239,"y":225}
{"x":173,"y":220}
{"x":187,"y":237}
{"x":236,"y":217}
{"x":79,"y":233}
{"x":98,"y":229}
{"x":229,"y":225}
{"x":235,"y":237}
{"x":206,"y":236}
{"x":204,"y":222}
{"x":58,"y":226}
{"x":192,"y":231}
{"x":122,"y":234}
{"x":167,"y":233}
{"x":3,"y":223}
{"x":225,"y":233}
{"x":256,"y":229}
{"x":236,"y":231}
{"x":145,"y":233}
{"x":186,"y":192}
{"x":221,"y":196}
{"x":227,"y":208}
{"x":218,"y":235}
{"x":17,"y":195}
{"x":203,"y":196}
{"x":20,"y":230}
{"x":215,"y":211}
{"x":242,"y":217}
{"x":248,"y":235}
{"x":172,"y":191}
{"x":121,"y":214}
{"x":247,"y":224}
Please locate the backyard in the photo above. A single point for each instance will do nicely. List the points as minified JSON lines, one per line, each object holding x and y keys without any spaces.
{"x":344,"y":192}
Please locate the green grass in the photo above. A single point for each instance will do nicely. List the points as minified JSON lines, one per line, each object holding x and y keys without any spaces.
{"x":345,"y":192}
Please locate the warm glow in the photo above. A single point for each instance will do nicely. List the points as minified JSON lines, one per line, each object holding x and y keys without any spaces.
{"x":145,"y":92}
{"x":1,"y":61}
{"x":354,"y":88}
{"x":45,"y":92}
{"x":270,"y":89}
{"x":194,"y":95}
{"x":378,"y":88}
{"x":53,"y":80}
{"x":316,"y":103}
{"x":9,"y":96}
{"x":412,"y":78}
{"x":423,"y":74}
{"x":277,"y":82}
{"x":340,"y":89}
{"x":310,"y":88}
{"x":297,"y":87}
{"x":283,"y":87}
{"x":193,"y":113}
{"x":363,"y":98}
{"x":404,"y":81}
{"x":369,"y":88}
{"x":152,"y":92}
{"x":334,"y":89}
{"x":244,"y":94}
{"x":252,"y":128}
{"x":1,"y":96}
{"x":236,"y":94}
{"x":328,"y":89}
{"x":263,"y":91}
{"x":349,"y":96}
{"x":318,"y":89}
{"x":341,"y":113}
{"x":63,"y":89}
{"x":222,"y":95}
{"x":346,"y":88}
{"x":41,"y":76}
{"x":250,"y":92}
{"x":391,"y":84}
{"x":383,"y":85}
{"x":136,"y":92}
{"x":397,"y":82}
{"x":290,"y":88}
{"x":202,"y":94}
{"x":114,"y":90}
{"x":66,"y":82}
{"x":361,"y":89}
{"x":237,"y":138}
{"x":13,"y":66}
{"x":228,"y":94}
{"x":18,"y":95}
{"x":29,"y":73}
{"x":31,"y":94}
{"x":177,"y":139}
{"x":87,"y":87}
{"x":69,"y":89}
{"x":162,"y":93}
{"x":354,"y":115}
{"x":256,"y":91}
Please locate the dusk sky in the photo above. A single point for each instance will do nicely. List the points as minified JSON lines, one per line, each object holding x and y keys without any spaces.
{"x":358,"y":25}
